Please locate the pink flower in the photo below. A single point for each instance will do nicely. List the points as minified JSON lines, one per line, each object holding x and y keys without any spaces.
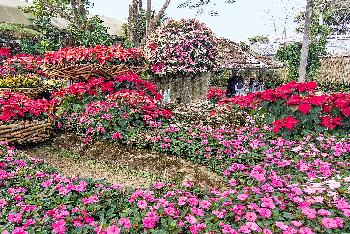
{"x":142,"y":204}
{"x":158,"y":185}
{"x":191,"y":219}
{"x":265,"y":213}
{"x":14,"y":217}
{"x":251,"y":216}
{"x":329,"y":223}
{"x":90,"y":200}
{"x":309,"y":212}
{"x":125,"y":222}
{"x":305,"y":230}
{"x":324,"y":212}
{"x":2,"y":203}
{"x":204,"y":204}
{"x":113,"y":230}
{"x":59,"y":226}
{"x":19,"y":230}
{"x":117,"y":135}
{"x":242,"y":197}
{"x":150,"y":222}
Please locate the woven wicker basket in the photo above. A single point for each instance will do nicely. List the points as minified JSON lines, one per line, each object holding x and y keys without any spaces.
{"x":25,"y":131}
{"x":33,"y":93}
{"x":83,"y":72}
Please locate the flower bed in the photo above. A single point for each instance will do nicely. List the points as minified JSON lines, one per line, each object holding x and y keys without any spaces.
{"x":295,"y":108}
{"x":29,"y":85}
{"x":24,"y":120}
{"x":298,"y":187}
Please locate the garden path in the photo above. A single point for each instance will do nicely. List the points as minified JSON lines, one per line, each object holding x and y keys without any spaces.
{"x":119,"y":164}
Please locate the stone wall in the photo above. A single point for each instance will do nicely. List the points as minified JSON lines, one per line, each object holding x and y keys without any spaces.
{"x":184,"y":90}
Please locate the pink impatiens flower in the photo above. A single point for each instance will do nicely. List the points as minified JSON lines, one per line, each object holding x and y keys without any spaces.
{"x":125,"y":222}
{"x":113,"y":230}
{"x":14,"y":217}
{"x":59,"y":227}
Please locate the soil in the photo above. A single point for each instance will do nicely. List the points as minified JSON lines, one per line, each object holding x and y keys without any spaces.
{"x":120,"y":164}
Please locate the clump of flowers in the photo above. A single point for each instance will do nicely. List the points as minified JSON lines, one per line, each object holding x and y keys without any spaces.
{"x":21,"y":81}
{"x":297,"y":108}
{"x":24,"y":64}
{"x":112,"y":55}
{"x":16,"y":106}
{"x":112,"y":109}
{"x":181,"y":48}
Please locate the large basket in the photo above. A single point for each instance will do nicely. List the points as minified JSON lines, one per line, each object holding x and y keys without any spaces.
{"x":25,"y":131}
{"x":33,"y":93}
{"x":83,"y":72}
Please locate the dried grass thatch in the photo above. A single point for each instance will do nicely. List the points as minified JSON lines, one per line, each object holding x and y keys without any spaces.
{"x":233,"y":56}
{"x":335,"y":69}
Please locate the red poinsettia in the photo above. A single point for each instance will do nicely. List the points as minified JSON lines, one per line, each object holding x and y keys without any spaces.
{"x":330,"y":122}
{"x":289,"y":122}
{"x":304,"y":108}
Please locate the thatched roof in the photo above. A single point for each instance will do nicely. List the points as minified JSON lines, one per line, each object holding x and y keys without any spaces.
{"x":9,"y":13}
{"x":233,"y":56}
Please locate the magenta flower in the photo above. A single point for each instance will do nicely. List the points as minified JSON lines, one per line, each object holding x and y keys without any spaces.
{"x":59,"y":226}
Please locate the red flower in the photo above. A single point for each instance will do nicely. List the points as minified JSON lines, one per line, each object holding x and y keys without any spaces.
{"x":346,"y":111}
{"x":288,"y":122}
{"x":307,"y":86}
{"x":294,"y":100}
{"x":331,"y":123}
{"x":304,"y":108}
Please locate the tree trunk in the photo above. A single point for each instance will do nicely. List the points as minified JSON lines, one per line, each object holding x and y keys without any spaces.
{"x":153,"y":23}
{"x":306,"y":40}
{"x":148,"y":16}
{"x":133,"y":21}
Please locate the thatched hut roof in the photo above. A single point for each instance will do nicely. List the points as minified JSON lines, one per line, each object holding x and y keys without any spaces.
{"x":232,"y":56}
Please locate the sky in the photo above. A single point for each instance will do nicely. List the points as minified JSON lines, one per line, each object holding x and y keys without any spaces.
{"x":237,"y":21}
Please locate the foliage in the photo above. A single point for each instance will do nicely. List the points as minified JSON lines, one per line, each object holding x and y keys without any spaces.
{"x":21,"y":81}
{"x":220,"y":78}
{"x":81,"y":30}
{"x":290,"y":54}
{"x":141,"y":29}
{"x":18,"y":30}
{"x":96,"y":35}
{"x":181,"y":49}
{"x":260,"y":38}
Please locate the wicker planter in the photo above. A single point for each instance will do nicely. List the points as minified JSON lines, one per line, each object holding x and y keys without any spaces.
{"x":83,"y":72}
{"x":185,"y":90}
{"x":33,"y":93}
{"x":23,"y":132}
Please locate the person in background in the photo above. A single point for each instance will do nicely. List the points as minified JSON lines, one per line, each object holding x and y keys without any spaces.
{"x":231,"y":85}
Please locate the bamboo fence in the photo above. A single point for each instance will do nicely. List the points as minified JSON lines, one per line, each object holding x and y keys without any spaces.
{"x":26,"y":131}
{"x":83,"y":72}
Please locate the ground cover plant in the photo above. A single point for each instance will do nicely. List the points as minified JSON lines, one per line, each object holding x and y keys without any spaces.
{"x":297,"y":187}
